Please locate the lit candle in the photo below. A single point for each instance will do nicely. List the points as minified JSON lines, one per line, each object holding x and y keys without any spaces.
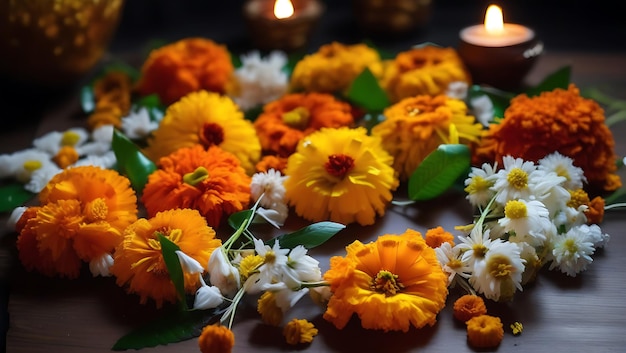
{"x":495,"y":33}
{"x":281,"y":24}
{"x":499,"y":54}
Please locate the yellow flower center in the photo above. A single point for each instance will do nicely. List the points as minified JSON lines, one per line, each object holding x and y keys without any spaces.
{"x":561,"y":170}
{"x":297,"y":118}
{"x":455,"y":263}
{"x":339,"y":165}
{"x":270,"y":257}
{"x":517,"y":178}
{"x":96,"y":210}
{"x":387,"y":283}
{"x":249,"y":265}
{"x":515,"y":209}
{"x":577,"y":198}
{"x":477,"y":184}
{"x":32,"y":165}
{"x":479,"y":250}
{"x":570,"y":245}
{"x":196,"y":177}
{"x":211,"y":135}
{"x":500,"y":266}
{"x":69,"y":138}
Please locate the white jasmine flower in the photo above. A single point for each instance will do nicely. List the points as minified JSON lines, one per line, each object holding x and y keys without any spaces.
{"x":15,"y":216}
{"x":188,"y":263}
{"x":101,"y":265}
{"x":138,"y":125}
{"x":207,"y":297}
{"x":478,"y":185}
{"x":563,"y":166}
{"x":53,"y":141}
{"x":275,"y":216}
{"x":104,"y":161}
{"x":22,"y":164}
{"x":457,"y":90}
{"x":270,"y":185}
{"x":222,"y":273}
{"x":482,"y":107}
{"x":261,"y":80}
{"x":40,"y":178}
{"x":572,"y":251}
{"x":450,"y":259}
{"x":100,"y":143}
{"x":520,"y":180}
{"x":499,"y":274}
{"x":300,"y":268}
{"x":529,"y":220}
{"x":271,"y":271}
{"x":569,"y":217}
{"x":286,"y":298}
{"x":596,"y":236}
{"x":475,"y":246}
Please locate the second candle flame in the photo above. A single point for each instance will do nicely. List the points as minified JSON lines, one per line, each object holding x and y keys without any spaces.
{"x":493,"y":20}
{"x":283,"y":9}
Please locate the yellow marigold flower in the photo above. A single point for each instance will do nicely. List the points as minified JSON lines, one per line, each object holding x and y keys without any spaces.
{"x":416,"y":126}
{"x":210,"y":181}
{"x":216,"y":339}
{"x":559,"y":120}
{"x":345,"y":171}
{"x":469,"y":306}
{"x":299,"y":331}
{"x":437,"y":236}
{"x":484,"y":331}
{"x":139,"y":263}
{"x":391,"y":284}
{"x":284,"y":122}
{"x":332,"y":68}
{"x":249,"y":265}
{"x":185,"y":66}
{"x":426,"y":70}
{"x":271,"y":313}
{"x":210,"y":120}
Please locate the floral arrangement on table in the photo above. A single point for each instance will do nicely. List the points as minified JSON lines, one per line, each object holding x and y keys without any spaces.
{"x":179,"y":160}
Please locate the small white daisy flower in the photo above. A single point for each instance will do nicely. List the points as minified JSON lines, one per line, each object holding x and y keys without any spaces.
{"x":271,"y":271}
{"x":138,"y":125}
{"x":100,"y":142}
{"x":563,"y":166}
{"x":597,"y":237}
{"x":270,"y":185}
{"x":478,"y":185}
{"x":519,"y":179}
{"x":499,"y":274}
{"x":482,"y":108}
{"x":475,"y":246}
{"x":22,"y":164}
{"x":41,"y":177}
{"x":572,"y":251}
{"x":529,"y":220}
{"x":261,"y":80}
{"x":457,"y":90}
{"x":450,"y":259}
{"x":104,"y":161}
{"x":53,"y":141}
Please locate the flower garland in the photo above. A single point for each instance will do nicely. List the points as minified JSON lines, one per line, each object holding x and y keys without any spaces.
{"x":332,"y":142}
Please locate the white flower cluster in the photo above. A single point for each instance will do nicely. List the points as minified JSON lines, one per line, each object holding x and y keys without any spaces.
{"x":261,"y":79}
{"x":526,"y":221}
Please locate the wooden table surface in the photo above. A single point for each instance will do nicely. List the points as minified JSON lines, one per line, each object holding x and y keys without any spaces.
{"x":559,"y":313}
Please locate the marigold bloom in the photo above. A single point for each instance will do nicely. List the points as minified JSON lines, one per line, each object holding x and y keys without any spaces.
{"x":595,"y":212}
{"x":332,"y":68}
{"x":426,"y":70}
{"x":284,"y":122}
{"x":139,"y":262}
{"x":390,"y":284}
{"x":210,"y":181}
{"x":469,"y":306}
{"x":559,"y":120}
{"x":185,"y":66}
{"x":216,"y":339}
{"x":299,"y":331}
{"x":112,"y":95}
{"x":345,"y":171}
{"x":484,"y":331}
{"x":272,"y":162}
{"x":208,"y":119}
{"x":436,"y":236}
{"x":271,"y":313}
{"x":416,"y":126}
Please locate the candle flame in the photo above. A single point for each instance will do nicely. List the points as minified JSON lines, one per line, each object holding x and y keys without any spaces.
{"x":283,"y":9}
{"x":493,"y":19}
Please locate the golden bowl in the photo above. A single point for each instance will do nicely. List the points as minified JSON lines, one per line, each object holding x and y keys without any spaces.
{"x":54,"y":42}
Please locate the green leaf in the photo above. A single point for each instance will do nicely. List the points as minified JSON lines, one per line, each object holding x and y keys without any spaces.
{"x":87,"y":99}
{"x":153,"y":104}
{"x":236,"y":219}
{"x":309,"y":236}
{"x":438,"y":171}
{"x":174,"y":327}
{"x":12,"y":196}
{"x":123,"y":67}
{"x":500,"y":99}
{"x":558,"y":79}
{"x":131,"y":162}
{"x":366,"y":93}
{"x":168,"y":249}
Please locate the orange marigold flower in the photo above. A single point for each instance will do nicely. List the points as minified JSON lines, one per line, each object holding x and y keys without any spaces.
{"x":469,"y":306}
{"x":216,"y":339}
{"x":484,"y":331}
{"x":284,"y":122}
{"x":332,"y":68}
{"x":559,"y":120}
{"x":426,"y":70}
{"x":391,"y":284}
{"x":416,"y":126}
{"x":299,"y":331}
{"x":138,"y":260}
{"x":66,"y":156}
{"x":208,"y":119}
{"x":108,"y":114}
{"x":595,"y":212}
{"x":437,"y":236}
{"x":112,"y":82}
{"x":271,"y":313}
{"x":272,"y":162}
{"x":211,"y":181}
{"x":185,"y":66}
{"x":112,"y":95}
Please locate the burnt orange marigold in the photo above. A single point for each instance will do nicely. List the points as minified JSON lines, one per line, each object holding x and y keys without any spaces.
{"x":216,"y":339}
{"x":559,"y":120}
{"x":211,"y":181}
{"x":469,"y":306}
{"x":284,"y":122}
{"x":188,"y":65}
{"x":436,"y":236}
{"x":484,"y":331}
